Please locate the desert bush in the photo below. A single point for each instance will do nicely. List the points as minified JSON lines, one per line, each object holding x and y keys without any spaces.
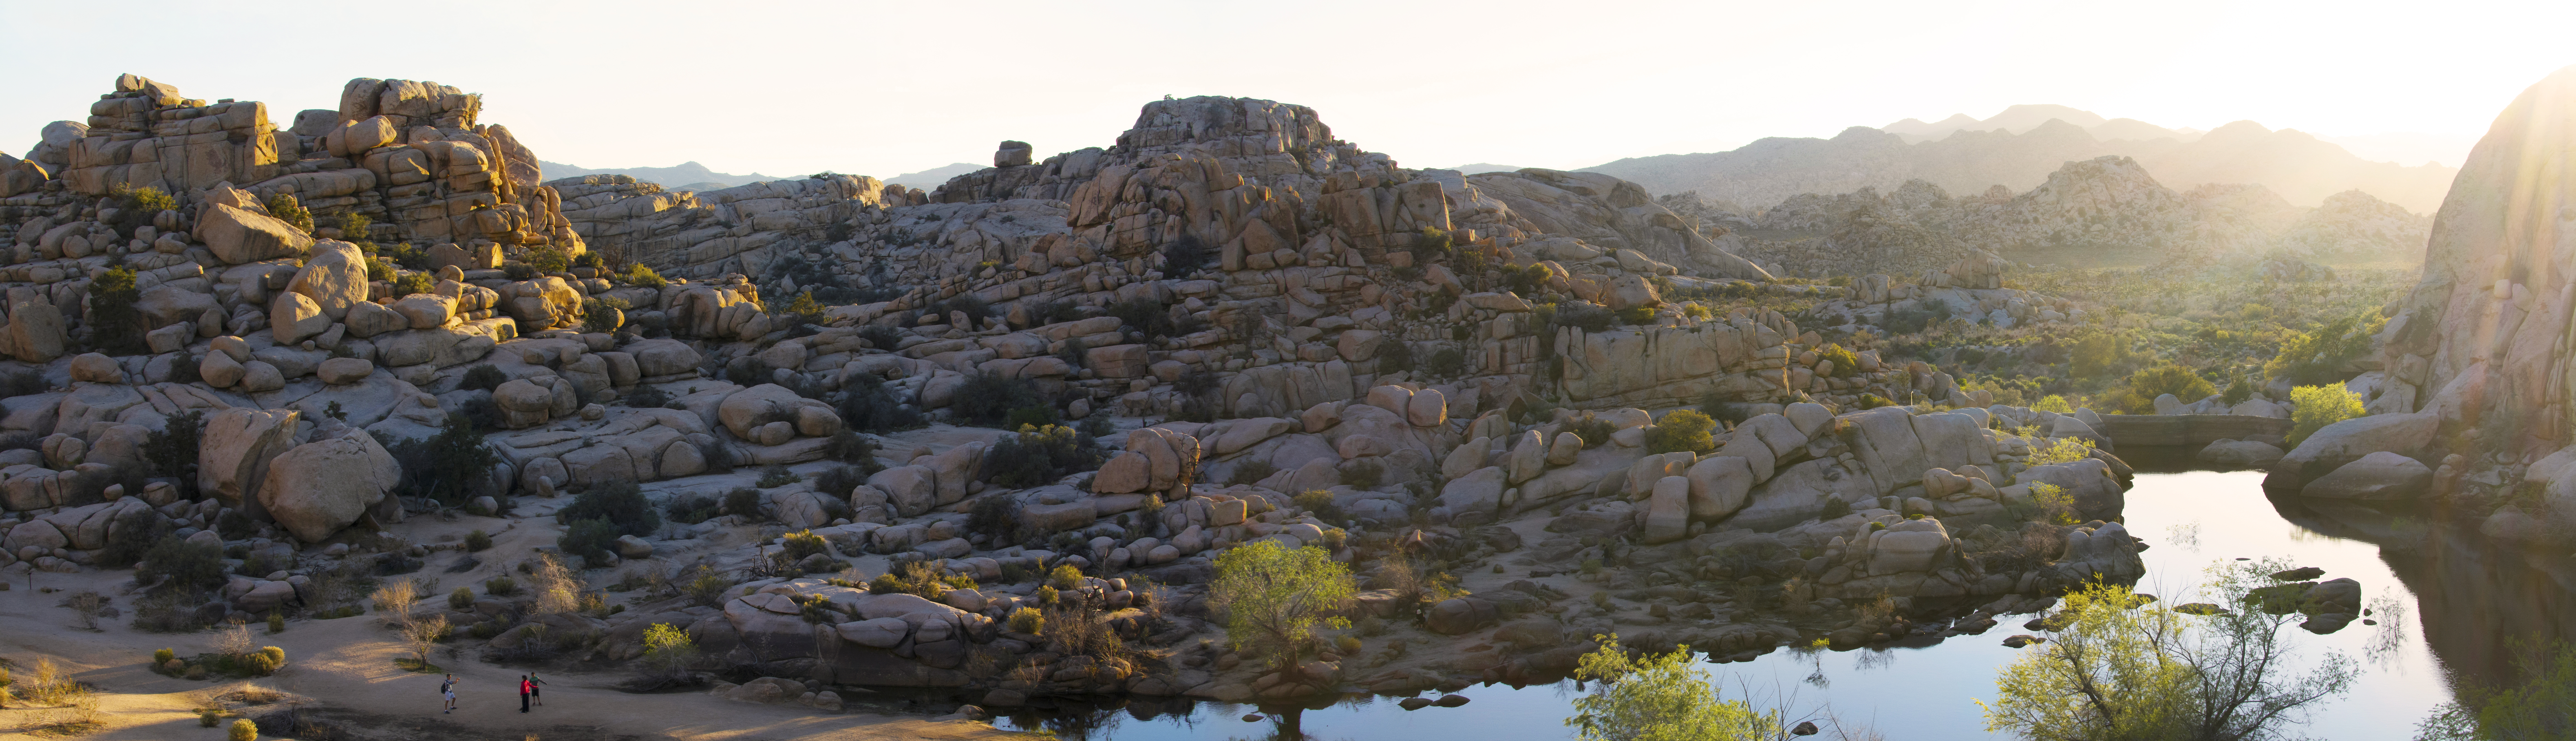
{"x":997,"y":516}
{"x":1248,"y":471}
{"x":2168,"y":378}
{"x":1593,"y":429}
{"x":119,"y":326}
{"x":866,"y":405}
{"x":482,"y":377}
{"x":554,"y":586}
{"x":2054,"y":403}
{"x":1182,"y":257}
{"x":986,"y":400}
{"x":1316,"y":501}
{"x":170,"y":450}
{"x":802,"y":543}
{"x":242,"y":730}
{"x":133,"y":537}
{"x":1038,"y":455}
{"x":1447,"y":362}
{"x":23,"y":383}
{"x":394,"y":600}
{"x":743,"y":501}
{"x":1144,"y":316}
{"x":669,"y":650}
{"x":775,"y":476}
{"x":1846,"y":363}
{"x":460,"y":599}
{"x":501,"y":586}
{"x":593,"y":540}
{"x":1027,"y":620}
{"x":1274,"y":598}
{"x":2314,"y":407}
{"x":1363,"y":473}
{"x":620,"y":504}
{"x":1681,"y":430}
{"x":2048,"y":450}
{"x":646,"y":397}
{"x":478,"y":541}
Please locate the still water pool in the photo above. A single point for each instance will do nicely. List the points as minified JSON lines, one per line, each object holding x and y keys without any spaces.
{"x":2447,"y":606}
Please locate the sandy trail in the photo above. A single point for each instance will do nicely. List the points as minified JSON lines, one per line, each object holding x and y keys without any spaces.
{"x":347,"y":665}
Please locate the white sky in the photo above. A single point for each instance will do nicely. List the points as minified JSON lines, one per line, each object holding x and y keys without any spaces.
{"x":793,"y":88}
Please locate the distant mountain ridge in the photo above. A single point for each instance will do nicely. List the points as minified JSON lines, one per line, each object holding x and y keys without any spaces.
{"x":686,"y":175}
{"x":2019,"y":148}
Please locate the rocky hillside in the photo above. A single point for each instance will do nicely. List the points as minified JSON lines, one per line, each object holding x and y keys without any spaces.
{"x":2296,"y":166}
{"x":2108,"y":208}
{"x":1046,"y":393}
{"x":2470,"y":396}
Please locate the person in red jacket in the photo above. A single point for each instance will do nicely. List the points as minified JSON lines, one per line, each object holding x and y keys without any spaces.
{"x":524,"y":687}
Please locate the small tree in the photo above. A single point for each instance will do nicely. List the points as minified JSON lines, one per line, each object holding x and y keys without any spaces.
{"x":669,"y":650}
{"x":2314,"y":407}
{"x":2542,"y":706}
{"x":1273,"y":597}
{"x":2115,"y":667}
{"x":554,"y":586}
{"x":421,"y":636}
{"x":1658,"y":698}
{"x":395,"y":600}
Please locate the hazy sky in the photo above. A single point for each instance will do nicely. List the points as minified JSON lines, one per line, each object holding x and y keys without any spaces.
{"x":793,"y":88}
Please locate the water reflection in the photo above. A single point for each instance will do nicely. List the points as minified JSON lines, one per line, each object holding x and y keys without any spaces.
{"x":2444,"y":603}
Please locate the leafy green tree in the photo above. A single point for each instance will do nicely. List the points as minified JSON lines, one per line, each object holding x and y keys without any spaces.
{"x":2117,"y":667}
{"x":1659,"y":698}
{"x":669,"y":650}
{"x":2542,"y":707}
{"x":1274,"y":598}
{"x":2097,"y":354}
{"x":2314,"y":407}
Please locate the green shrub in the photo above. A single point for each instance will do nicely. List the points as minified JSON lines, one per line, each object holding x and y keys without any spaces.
{"x":1316,"y":501}
{"x":743,"y":501}
{"x":448,"y":467}
{"x":797,"y":545}
{"x":1846,"y":363}
{"x":547,"y":260}
{"x":621,"y":504}
{"x":163,"y":656}
{"x":1027,"y":620}
{"x":2317,"y":356}
{"x":2145,"y":385}
{"x":1636,"y":315}
{"x":1247,"y":472}
{"x":2314,"y":407}
{"x":484,"y":377}
{"x":1593,"y":429}
{"x":1394,"y":355}
{"x":1362,"y":473}
{"x":478,"y":541}
{"x":986,"y":400}
{"x":1038,"y":455}
{"x":776,"y":476}
{"x":186,"y":564}
{"x":2097,"y":354}
{"x":2237,"y":392}
{"x":1873,"y":401}
{"x":501,"y":586}
{"x":1681,"y":430}
{"x":284,"y":207}
{"x":460,"y":599}
{"x":2054,"y":403}
{"x":242,"y":730}
{"x":118,"y":325}
{"x":639,"y":275}
{"x":996,"y":516}
{"x":589,"y":539}
{"x":1064,"y":576}
{"x":276,"y":622}
{"x":1145,"y":316}
{"x":1447,"y":362}
{"x":866,"y":405}
{"x":1588,"y":317}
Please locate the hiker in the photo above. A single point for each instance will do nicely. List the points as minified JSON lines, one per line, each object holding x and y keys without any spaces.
{"x":537,"y":689}
{"x":447,"y":688}
{"x":524,"y":689}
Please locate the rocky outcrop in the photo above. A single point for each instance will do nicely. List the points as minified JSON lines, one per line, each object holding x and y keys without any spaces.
{"x":317,"y":488}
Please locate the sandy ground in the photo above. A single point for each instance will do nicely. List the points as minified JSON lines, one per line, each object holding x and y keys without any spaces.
{"x":346,"y":667}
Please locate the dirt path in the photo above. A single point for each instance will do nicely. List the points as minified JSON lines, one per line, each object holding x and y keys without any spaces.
{"x":347,"y":665}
